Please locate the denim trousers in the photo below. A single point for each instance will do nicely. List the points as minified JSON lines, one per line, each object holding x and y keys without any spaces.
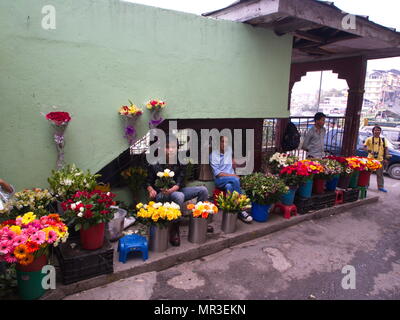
{"x":228,"y":183}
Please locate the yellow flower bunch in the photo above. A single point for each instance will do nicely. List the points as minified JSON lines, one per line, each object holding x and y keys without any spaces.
{"x":232,"y":202}
{"x":131,"y":110}
{"x":158,"y":212}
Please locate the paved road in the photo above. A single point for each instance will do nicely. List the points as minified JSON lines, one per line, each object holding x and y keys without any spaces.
{"x":302,"y":262}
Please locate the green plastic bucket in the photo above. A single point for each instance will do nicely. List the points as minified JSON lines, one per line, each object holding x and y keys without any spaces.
{"x":30,"y":284}
{"x":354,"y":179}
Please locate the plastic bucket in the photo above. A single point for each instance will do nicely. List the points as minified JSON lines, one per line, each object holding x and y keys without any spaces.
{"x":363,"y":178}
{"x":259,"y":212}
{"x":332,"y":183}
{"x":305,"y":190}
{"x":344,"y":181}
{"x":288,"y":198}
{"x":116,"y":225}
{"x":30,"y":278}
{"x":354,"y":179}
{"x":93,"y":238}
{"x":319,"y":186}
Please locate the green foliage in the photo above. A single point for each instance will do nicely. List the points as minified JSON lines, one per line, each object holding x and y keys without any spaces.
{"x":263,"y":189}
{"x":65,"y":182}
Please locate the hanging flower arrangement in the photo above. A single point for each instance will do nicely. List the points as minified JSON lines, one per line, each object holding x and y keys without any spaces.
{"x":60,"y":121}
{"x":155,"y":106}
{"x":130,"y":114}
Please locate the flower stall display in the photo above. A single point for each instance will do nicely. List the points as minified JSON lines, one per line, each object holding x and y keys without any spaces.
{"x":158,"y":216}
{"x":155,"y":107}
{"x":368,"y":165}
{"x":66,"y":182}
{"x":231,"y":203}
{"x":263,"y":191}
{"x":332,"y":171}
{"x":199,"y":220}
{"x":88,"y":212}
{"x":344,"y":178}
{"x":135,"y":177}
{"x":36,"y":200}
{"x":26,"y":241}
{"x":281,"y":160}
{"x":130,"y":114}
{"x":60,"y":121}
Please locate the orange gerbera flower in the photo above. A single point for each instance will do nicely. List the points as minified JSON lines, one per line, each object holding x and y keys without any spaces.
{"x":190,"y":206}
{"x":28,"y":259}
{"x":196,"y":213}
{"x":32,"y":246}
{"x":21,"y":251}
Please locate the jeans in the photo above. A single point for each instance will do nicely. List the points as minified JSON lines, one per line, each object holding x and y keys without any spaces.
{"x":228,"y":183}
{"x":184,"y":194}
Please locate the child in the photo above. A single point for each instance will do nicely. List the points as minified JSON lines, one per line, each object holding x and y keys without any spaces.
{"x":6,"y":191}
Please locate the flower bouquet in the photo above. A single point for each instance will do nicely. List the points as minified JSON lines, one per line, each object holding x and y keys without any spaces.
{"x":88,"y":212}
{"x":60,"y":121}
{"x":165,"y":179}
{"x":66,"y":182}
{"x":130,"y":114}
{"x":296,"y":174}
{"x":158,"y":216}
{"x":231,"y":203}
{"x":344,"y":178}
{"x":36,"y":200}
{"x":26,"y":241}
{"x":367,"y":166}
{"x":281,"y":160}
{"x":199,"y":220}
{"x":135,"y":177}
{"x":155,"y":106}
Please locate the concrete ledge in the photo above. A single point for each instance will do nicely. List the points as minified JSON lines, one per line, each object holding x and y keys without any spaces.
{"x":188,"y":251}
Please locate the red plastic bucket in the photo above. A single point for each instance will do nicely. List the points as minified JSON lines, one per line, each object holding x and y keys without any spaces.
{"x":363,"y":178}
{"x":319,"y":186}
{"x":93,"y":238}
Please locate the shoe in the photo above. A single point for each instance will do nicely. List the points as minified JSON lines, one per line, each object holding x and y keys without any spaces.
{"x":210,"y":229}
{"x":245,"y":217}
{"x":382,"y":189}
{"x":174,"y":236}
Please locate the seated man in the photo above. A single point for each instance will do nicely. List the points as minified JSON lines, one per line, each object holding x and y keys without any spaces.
{"x":177,"y":193}
{"x":221,"y":163}
{"x":6,"y":191}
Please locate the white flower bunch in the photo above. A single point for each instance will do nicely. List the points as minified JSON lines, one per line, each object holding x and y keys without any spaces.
{"x":171,"y":205}
{"x":165,"y":173}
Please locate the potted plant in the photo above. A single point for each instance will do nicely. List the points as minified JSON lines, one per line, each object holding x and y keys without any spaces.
{"x":370,"y":165}
{"x":332,"y":171}
{"x":88,"y":212}
{"x":26,"y":241}
{"x":231,"y":203}
{"x":199,"y":220}
{"x":313,"y":168}
{"x":135,"y":177}
{"x":281,"y":160}
{"x":356,"y":165}
{"x":66,"y":182}
{"x":27,"y":200}
{"x":263,"y":191}
{"x":158,"y":216}
{"x":344,"y":177}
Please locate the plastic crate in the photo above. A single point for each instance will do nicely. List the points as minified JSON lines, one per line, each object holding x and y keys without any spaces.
{"x":303,"y":205}
{"x":77,"y":264}
{"x":322,"y":201}
{"x":350,"y":195}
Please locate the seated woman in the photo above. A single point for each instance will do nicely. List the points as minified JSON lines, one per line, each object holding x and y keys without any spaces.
{"x":177,"y":193}
{"x":221,"y":162}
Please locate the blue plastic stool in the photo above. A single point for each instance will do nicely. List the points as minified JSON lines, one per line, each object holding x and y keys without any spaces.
{"x":131,"y":243}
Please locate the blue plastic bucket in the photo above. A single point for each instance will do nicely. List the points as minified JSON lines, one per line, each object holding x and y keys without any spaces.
{"x":305,"y":189}
{"x":331,"y":184}
{"x":288,"y":198}
{"x":259,"y":212}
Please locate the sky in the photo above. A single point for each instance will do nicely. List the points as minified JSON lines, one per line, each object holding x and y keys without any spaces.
{"x":384,"y":12}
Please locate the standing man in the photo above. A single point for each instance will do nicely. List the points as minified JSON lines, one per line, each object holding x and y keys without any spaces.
{"x":177,"y":193}
{"x":377,"y":149}
{"x":221,"y":162}
{"x":314,"y":141}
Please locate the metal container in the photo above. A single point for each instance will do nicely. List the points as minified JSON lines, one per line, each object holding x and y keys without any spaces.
{"x":197,"y":230}
{"x":158,"y":238}
{"x":116,"y":225}
{"x":229,"y":222}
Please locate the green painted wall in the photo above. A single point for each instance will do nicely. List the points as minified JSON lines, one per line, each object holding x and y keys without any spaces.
{"x":104,"y":52}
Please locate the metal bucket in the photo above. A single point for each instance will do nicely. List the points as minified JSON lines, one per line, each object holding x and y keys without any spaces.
{"x":229,"y":222}
{"x":158,"y":238}
{"x":197,"y":230}
{"x":116,"y":225}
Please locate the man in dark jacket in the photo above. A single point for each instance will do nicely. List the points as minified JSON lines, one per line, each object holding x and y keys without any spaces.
{"x":177,"y":193}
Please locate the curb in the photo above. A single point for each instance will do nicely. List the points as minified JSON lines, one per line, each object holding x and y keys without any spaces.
{"x":208,"y":248}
